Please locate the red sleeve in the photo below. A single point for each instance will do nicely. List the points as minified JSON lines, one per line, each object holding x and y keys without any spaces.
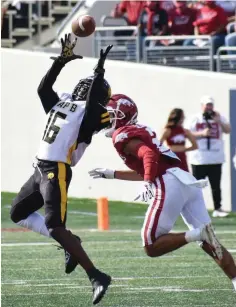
{"x":150,"y":160}
{"x":222,"y":16}
{"x":122,"y":7}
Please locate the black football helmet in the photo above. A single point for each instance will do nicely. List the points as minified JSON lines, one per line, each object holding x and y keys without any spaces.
{"x":80,"y":92}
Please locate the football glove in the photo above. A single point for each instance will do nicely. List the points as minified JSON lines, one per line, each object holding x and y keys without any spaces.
{"x":67,"y":52}
{"x":99,"y":68}
{"x":102,"y":173}
{"x":146,"y":192}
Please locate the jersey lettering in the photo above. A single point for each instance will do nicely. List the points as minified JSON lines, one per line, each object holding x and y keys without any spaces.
{"x":164,"y":150}
{"x":73,"y":107}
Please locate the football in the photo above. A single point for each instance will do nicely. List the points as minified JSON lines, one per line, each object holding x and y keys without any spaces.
{"x":83,"y":26}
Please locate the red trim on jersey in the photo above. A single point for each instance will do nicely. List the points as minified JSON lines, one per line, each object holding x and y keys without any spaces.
{"x":157,"y":214}
{"x":159,"y":210}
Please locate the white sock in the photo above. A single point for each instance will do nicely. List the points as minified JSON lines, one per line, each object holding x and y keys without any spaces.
{"x":35,"y":222}
{"x":193,"y":235}
{"x":234,"y":283}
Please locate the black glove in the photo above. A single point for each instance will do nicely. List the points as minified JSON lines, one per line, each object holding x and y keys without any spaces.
{"x":67,"y":53}
{"x":99,"y":68}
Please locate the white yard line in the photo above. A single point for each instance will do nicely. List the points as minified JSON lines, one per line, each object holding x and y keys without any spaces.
{"x":26,"y":281}
{"x":25,"y":244}
{"x":138,"y":231}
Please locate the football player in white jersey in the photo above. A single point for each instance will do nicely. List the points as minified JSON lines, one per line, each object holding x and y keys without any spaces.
{"x":72,"y":119}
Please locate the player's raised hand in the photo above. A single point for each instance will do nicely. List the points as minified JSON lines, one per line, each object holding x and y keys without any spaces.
{"x":99,"y":68}
{"x":102,"y":173}
{"x":67,"y":49}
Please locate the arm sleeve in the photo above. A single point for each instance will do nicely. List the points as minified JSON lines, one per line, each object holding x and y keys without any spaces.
{"x":122,"y":7}
{"x":45,"y":91}
{"x":150,"y":160}
{"x":96,"y":116}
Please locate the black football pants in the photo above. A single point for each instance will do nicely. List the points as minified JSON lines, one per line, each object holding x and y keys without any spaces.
{"x":47,"y":187}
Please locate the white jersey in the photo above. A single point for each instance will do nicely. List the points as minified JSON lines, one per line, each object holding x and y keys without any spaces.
{"x":59,"y":141}
{"x":215,"y":153}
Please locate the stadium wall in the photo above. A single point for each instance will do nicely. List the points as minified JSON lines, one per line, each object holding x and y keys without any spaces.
{"x":155,"y":89}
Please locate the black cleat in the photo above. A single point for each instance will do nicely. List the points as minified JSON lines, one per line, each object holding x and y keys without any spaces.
{"x":100,"y":284}
{"x":70,"y":262}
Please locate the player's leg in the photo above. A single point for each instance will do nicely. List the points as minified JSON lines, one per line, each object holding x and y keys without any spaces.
{"x":24,"y":207}
{"x":54,"y":190}
{"x":195,"y":215}
{"x":161,"y":216}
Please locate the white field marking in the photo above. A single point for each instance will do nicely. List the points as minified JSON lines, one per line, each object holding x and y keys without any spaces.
{"x":25,"y":244}
{"x":174,"y":289}
{"x":132,"y":290}
{"x":78,"y":230}
{"x":82,"y":213}
{"x":19,"y":282}
{"x":232,"y":250}
{"x":66,"y":286}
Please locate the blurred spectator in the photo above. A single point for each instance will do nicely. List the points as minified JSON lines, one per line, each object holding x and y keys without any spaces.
{"x":229,"y":8}
{"x":211,"y":20}
{"x":4,"y":7}
{"x":131,"y":9}
{"x":208,"y":127}
{"x":153,"y":20}
{"x":230,"y":41}
{"x":175,"y":136}
{"x":181,"y":19}
{"x":167,"y":5}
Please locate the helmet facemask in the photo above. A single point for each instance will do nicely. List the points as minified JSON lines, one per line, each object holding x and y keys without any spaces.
{"x":117,"y":119}
{"x":115,"y":115}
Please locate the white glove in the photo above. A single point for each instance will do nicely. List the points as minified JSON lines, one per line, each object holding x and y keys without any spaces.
{"x":146,"y":192}
{"x":102,"y":173}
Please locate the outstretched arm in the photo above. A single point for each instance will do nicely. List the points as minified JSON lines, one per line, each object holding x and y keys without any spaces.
{"x":45,"y":91}
{"x":95,"y":94}
{"x":128,"y":175}
{"x":96,"y":116}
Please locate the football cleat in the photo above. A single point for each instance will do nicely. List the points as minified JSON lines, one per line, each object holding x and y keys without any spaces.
{"x":208,"y":235}
{"x":100,"y":284}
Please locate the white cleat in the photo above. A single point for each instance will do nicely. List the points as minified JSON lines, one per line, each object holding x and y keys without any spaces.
{"x":220,"y":213}
{"x":208,"y":235}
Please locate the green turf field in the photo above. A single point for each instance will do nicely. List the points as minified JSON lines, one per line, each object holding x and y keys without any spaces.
{"x":33,"y":273}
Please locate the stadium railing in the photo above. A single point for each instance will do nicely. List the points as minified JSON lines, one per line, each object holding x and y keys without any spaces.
{"x":198,"y":56}
{"x":226,"y":59}
{"x":125,"y":45}
{"x":151,"y":49}
{"x":40,"y":15}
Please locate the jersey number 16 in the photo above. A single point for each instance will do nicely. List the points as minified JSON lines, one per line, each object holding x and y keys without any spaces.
{"x":51,"y":130}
